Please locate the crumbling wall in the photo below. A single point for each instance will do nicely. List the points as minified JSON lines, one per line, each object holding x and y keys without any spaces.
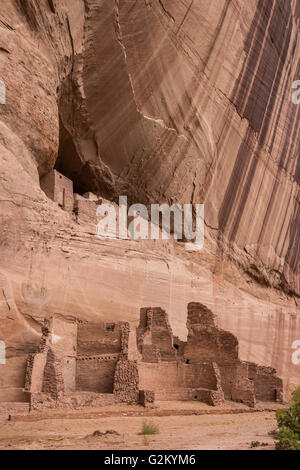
{"x":161,"y":376}
{"x":205,"y":341}
{"x":117,"y":344}
{"x":151,"y":353}
{"x":95,"y":374}
{"x":58,"y":188}
{"x":179,"y":346}
{"x":44,"y":383}
{"x":173,"y":375}
{"x":85,"y":209}
{"x":99,"y":346}
{"x":228,"y":373}
{"x":243,"y":388}
{"x":248,"y":383}
{"x":240,"y":381}
{"x":53,"y":383}
{"x":146,"y":398}
{"x":69,"y":373}
{"x":63,"y":337}
{"x":98,"y":339}
{"x":202,"y":375}
{"x":129,"y":348}
{"x":12,"y":379}
{"x":267,"y":386}
{"x":50,"y":372}
{"x":63,"y":342}
{"x":79,"y":363}
{"x":126,"y":379}
{"x":155,"y":337}
{"x":124,"y":341}
{"x":36,"y":364}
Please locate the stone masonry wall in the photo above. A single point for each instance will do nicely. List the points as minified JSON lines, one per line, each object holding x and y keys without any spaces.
{"x":53,"y":383}
{"x":98,"y":339}
{"x":12,"y":379}
{"x":178,"y":377}
{"x":59,"y":188}
{"x":155,"y":335}
{"x":96,"y":374}
{"x":85,"y":210}
{"x":267,"y":386}
{"x":209,"y":360}
{"x":205,"y":341}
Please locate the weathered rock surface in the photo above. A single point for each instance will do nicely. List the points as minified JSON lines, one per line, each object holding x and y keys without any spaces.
{"x":164,"y":101}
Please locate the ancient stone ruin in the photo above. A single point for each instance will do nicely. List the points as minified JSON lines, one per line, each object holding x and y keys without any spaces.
{"x":92,"y":364}
{"x":59,"y":188}
{"x":80,"y":363}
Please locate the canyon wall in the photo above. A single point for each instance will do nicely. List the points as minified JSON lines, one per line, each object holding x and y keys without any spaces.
{"x":162,"y":101}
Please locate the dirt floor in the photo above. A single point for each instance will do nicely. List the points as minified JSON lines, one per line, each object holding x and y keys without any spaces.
{"x":217,"y":431}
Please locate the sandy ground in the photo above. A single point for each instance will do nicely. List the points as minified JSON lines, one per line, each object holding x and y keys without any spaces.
{"x":229,"y":431}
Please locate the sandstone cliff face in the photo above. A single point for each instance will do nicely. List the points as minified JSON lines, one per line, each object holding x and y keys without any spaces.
{"x":163,"y":101}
